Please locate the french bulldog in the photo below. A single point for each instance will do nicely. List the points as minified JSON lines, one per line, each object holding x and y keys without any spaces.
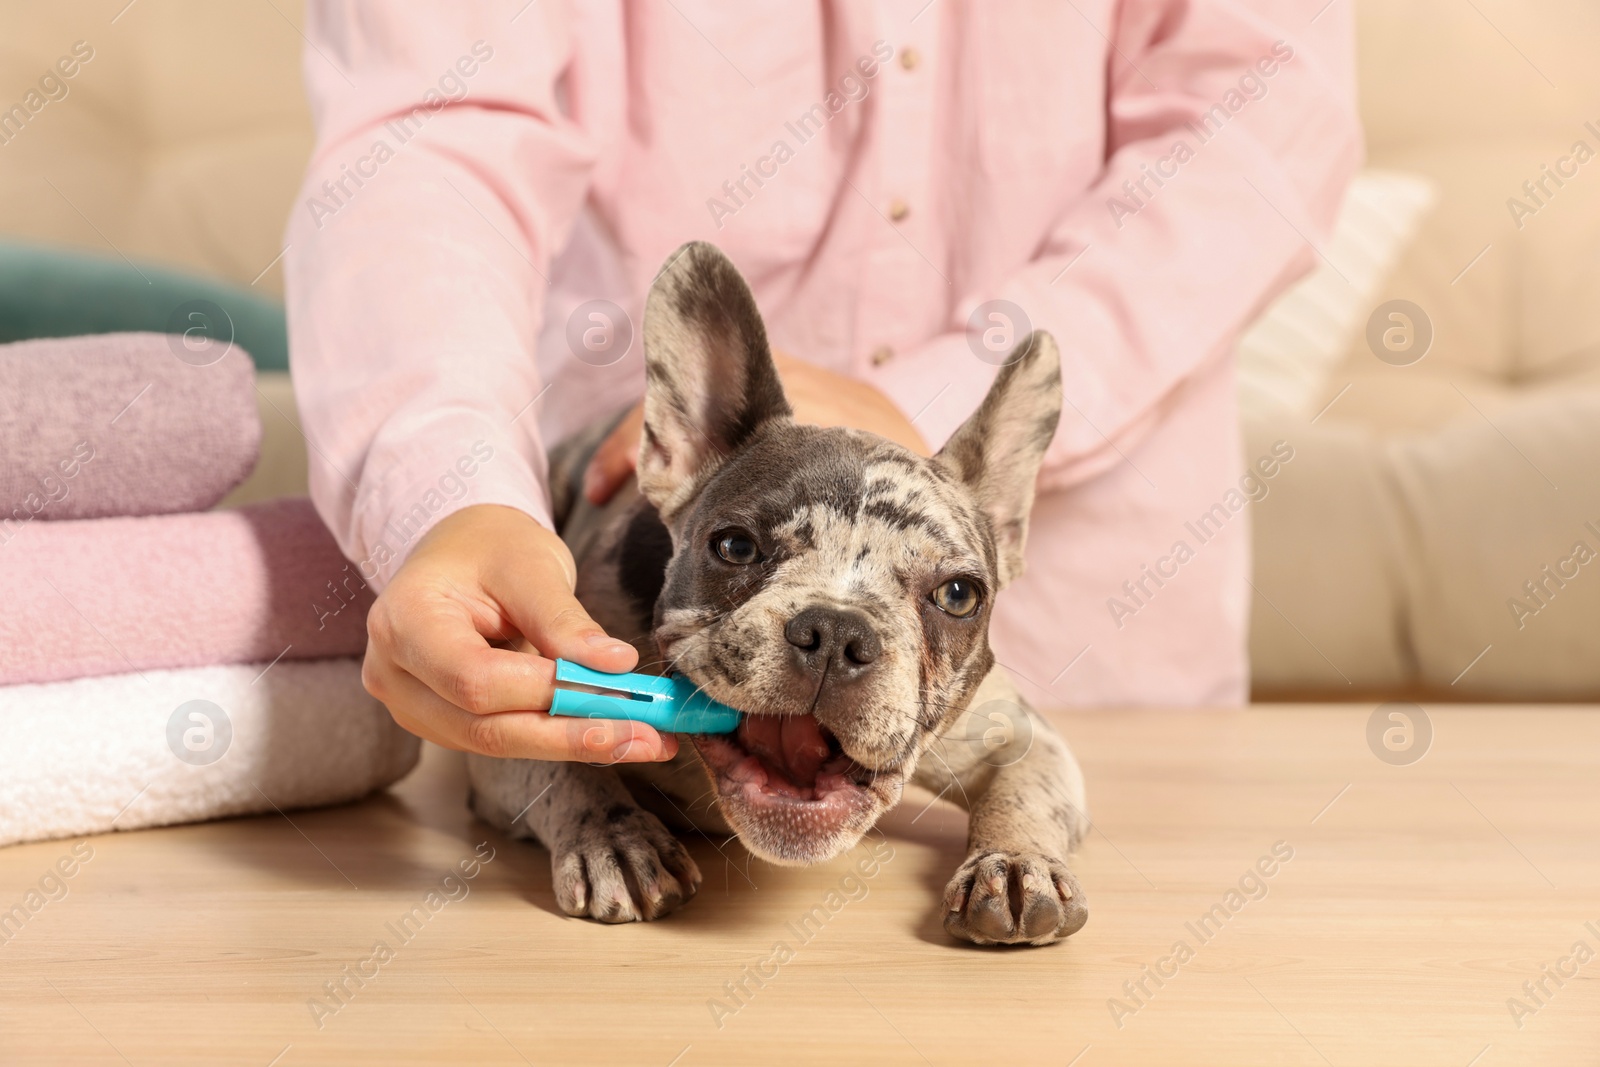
{"x":836,"y":589}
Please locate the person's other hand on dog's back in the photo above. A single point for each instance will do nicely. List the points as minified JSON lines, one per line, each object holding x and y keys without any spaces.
{"x":486,"y":574}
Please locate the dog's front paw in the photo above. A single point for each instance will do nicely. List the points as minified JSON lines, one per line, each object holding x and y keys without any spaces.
{"x":1014,"y":898}
{"x":623,"y":866}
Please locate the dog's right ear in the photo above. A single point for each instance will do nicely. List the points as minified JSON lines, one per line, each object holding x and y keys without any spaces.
{"x":710,"y":382}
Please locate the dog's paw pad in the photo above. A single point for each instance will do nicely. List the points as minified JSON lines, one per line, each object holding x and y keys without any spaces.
{"x":1014,"y":898}
{"x":623,"y":866}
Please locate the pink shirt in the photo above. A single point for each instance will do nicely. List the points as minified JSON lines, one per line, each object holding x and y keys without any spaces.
{"x":1139,"y":176}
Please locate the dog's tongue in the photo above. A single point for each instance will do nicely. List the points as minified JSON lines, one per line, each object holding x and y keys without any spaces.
{"x":793,"y":745}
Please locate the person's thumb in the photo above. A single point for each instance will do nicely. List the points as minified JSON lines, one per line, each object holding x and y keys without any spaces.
{"x":536,"y":594}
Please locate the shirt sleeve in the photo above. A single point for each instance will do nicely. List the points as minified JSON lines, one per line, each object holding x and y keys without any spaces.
{"x":444,"y":179}
{"x":1231,"y":134}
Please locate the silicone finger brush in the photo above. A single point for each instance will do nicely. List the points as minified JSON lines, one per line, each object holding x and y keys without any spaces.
{"x":671,"y":704}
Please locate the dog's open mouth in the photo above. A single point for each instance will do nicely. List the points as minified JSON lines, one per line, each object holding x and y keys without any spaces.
{"x":787,"y":785}
{"x":785,"y":758}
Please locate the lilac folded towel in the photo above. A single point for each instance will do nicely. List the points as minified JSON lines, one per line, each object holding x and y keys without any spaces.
{"x":110,"y":596}
{"x":122,"y":424}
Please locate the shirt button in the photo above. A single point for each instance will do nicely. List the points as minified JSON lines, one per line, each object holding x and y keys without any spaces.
{"x":909,"y":58}
{"x":898,"y":209}
{"x":881,"y":355}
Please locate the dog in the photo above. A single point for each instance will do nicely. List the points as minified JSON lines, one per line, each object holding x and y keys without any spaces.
{"x":836,"y":589}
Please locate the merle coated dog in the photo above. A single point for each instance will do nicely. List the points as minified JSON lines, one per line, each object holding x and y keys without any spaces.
{"x":836,"y":589}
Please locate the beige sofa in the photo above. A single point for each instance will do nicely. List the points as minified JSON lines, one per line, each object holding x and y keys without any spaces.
{"x":1420,"y":501}
{"x":1427,"y":496}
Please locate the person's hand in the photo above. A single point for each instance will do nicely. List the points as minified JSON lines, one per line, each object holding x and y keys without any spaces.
{"x":493,"y":573}
{"x":819,"y":397}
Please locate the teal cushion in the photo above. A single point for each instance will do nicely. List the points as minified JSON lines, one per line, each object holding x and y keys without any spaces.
{"x":57,"y":292}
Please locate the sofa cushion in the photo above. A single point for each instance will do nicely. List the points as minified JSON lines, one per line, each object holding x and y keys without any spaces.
{"x":1502,"y":554}
{"x":57,"y":292}
{"x":1327,"y":614}
{"x":1392,"y":401}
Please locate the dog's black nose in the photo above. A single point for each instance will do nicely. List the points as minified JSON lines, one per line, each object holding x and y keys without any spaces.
{"x":826,"y":636}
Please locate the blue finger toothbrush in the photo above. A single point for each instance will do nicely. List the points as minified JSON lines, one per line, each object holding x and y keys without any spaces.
{"x":674,"y":705}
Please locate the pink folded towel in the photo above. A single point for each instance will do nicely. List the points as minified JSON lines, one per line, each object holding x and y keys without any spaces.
{"x":121,"y":424}
{"x":109,"y":596}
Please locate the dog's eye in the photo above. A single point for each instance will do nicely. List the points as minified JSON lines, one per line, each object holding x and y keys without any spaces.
{"x":736,"y":546}
{"x":958,"y":597}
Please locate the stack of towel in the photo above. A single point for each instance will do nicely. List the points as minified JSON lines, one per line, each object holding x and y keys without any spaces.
{"x":160,"y":662}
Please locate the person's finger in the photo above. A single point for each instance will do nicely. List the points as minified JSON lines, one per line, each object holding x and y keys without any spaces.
{"x":377,"y":677}
{"x":615,"y":459}
{"x":440,"y":646}
{"x":519,"y":734}
{"x":536,"y":594}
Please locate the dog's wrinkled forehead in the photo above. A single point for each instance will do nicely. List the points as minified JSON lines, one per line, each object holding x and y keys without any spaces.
{"x":827,"y":490}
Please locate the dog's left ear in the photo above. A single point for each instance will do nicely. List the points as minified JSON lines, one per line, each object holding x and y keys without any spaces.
{"x":710,"y":382}
{"x":997,"y":451}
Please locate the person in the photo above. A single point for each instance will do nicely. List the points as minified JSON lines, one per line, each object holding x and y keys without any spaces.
{"x":907,"y":186}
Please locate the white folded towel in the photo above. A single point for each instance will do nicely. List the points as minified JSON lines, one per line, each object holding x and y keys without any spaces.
{"x":124,"y":751}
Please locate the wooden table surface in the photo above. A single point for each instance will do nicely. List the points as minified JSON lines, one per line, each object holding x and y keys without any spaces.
{"x":1417,"y":902}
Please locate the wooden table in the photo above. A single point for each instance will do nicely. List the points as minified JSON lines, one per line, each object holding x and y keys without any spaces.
{"x":1417,"y":902}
